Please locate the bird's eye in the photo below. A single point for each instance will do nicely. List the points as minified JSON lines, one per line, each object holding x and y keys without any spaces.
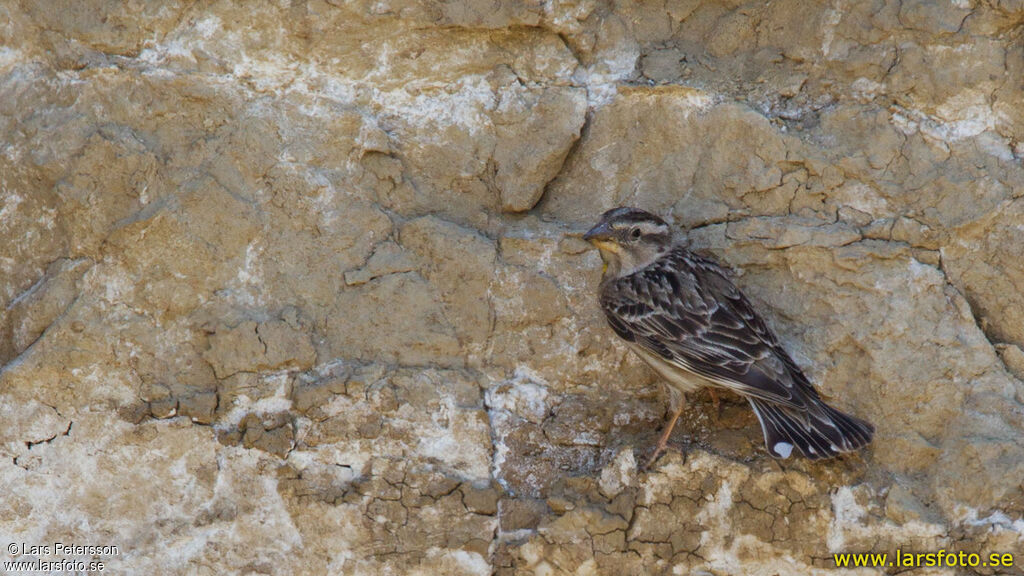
{"x":634,"y":233}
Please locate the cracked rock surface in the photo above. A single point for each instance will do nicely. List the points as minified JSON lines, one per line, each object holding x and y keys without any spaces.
{"x":297,"y":287}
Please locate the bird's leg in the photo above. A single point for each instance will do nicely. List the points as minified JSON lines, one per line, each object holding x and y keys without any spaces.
{"x":715,"y":403}
{"x":663,"y":441}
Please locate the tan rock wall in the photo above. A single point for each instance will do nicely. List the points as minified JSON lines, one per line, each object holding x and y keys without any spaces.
{"x":292,"y":287}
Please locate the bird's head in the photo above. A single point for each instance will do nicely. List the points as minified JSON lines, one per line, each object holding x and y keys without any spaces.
{"x":629,"y":239}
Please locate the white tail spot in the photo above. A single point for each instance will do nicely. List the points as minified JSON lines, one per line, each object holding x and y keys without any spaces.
{"x":783,"y":449}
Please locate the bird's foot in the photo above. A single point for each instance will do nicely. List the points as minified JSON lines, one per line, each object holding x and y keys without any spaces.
{"x":659,"y":448}
{"x":651,"y":460}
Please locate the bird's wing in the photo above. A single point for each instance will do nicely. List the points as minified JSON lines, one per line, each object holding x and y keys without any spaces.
{"x":685,"y":309}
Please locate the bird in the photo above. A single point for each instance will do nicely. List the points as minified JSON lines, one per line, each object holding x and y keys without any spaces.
{"x":682,"y":314}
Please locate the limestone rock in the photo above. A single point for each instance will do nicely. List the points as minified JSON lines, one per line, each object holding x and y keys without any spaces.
{"x":534,"y":134}
{"x":252,"y":347}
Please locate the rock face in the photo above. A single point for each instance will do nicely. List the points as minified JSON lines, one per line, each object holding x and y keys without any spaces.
{"x":296,"y":287}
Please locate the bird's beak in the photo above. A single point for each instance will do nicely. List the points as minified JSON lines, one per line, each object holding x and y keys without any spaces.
{"x":601,"y":232}
{"x":603,"y":238}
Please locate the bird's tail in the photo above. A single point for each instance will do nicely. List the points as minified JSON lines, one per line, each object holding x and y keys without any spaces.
{"x":820,"y":432}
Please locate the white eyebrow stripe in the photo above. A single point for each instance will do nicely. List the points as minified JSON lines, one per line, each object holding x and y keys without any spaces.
{"x":653,"y":228}
{"x":647,"y":227}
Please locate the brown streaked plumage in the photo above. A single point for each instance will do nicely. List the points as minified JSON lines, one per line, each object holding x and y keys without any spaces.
{"x":682,"y":314}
